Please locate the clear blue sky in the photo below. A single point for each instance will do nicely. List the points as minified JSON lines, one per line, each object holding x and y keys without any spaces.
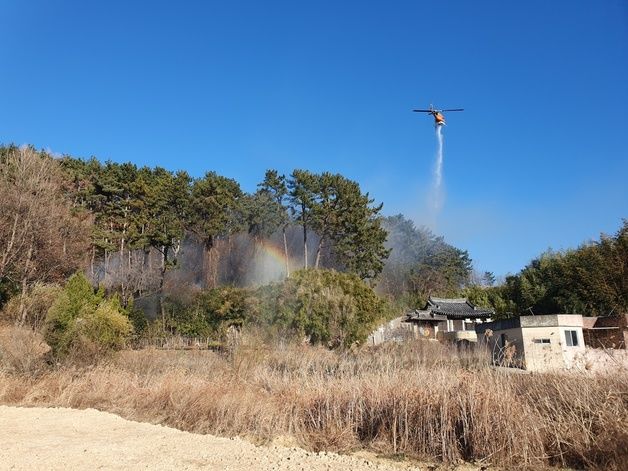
{"x":539,"y":158}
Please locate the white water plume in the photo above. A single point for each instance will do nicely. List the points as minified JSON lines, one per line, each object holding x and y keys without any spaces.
{"x":438,"y":171}
{"x":437,"y":196}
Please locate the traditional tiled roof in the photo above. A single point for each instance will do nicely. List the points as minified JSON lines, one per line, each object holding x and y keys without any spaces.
{"x":429,"y":316}
{"x":456,"y":308}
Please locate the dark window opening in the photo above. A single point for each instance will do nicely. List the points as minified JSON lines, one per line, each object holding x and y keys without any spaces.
{"x":545,"y":341}
{"x":571,"y":336}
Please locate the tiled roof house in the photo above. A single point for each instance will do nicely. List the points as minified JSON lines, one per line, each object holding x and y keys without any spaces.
{"x":448,"y":318}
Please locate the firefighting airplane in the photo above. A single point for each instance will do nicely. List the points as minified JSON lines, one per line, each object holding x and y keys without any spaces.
{"x":439,"y":119}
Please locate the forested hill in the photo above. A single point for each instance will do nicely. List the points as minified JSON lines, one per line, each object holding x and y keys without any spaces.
{"x":156,"y":238}
{"x":138,"y":230}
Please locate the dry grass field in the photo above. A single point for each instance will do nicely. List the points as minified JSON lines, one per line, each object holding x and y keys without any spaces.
{"x":418,"y":399}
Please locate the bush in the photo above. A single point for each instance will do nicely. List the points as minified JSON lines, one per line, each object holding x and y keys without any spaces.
{"x":329,"y":307}
{"x":36,"y":303}
{"x":81,"y":319}
{"x":22,"y":350}
{"x":107,"y":327}
{"x":7,"y":290}
{"x":210,"y":313}
{"x":325,"y":306}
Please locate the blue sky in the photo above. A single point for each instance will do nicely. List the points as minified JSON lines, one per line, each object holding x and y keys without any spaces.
{"x":538,"y":159}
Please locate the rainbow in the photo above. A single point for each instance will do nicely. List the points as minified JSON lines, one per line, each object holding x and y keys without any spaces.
{"x":269,"y":264}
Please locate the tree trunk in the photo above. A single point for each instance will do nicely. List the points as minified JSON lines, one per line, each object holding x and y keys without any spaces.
{"x":161,"y":288}
{"x":7,"y":252}
{"x":208,"y":267}
{"x":91,"y":264}
{"x":106,"y":267}
{"x":208,"y":263}
{"x":285,"y":251}
{"x":305,"y":246}
{"x":318,"y":253}
{"x":22,"y":307}
{"x":145,"y":263}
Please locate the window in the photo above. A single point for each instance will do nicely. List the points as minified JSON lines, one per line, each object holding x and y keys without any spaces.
{"x":544,"y":341}
{"x":571,"y":336}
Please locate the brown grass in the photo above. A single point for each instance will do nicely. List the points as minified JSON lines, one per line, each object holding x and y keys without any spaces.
{"x":419,"y":399}
{"x":22,"y":350}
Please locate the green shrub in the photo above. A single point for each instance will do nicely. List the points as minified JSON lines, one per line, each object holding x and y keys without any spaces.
{"x":138,"y":319}
{"x":8,"y":289}
{"x":490,"y":297}
{"x":210,"y":313}
{"x":326,"y":306}
{"x":82,"y":319}
{"x":106,"y":326}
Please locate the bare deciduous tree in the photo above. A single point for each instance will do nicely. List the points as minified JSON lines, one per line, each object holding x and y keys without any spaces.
{"x":41,"y":238}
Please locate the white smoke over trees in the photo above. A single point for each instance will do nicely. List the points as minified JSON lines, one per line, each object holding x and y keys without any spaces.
{"x":420,"y":263}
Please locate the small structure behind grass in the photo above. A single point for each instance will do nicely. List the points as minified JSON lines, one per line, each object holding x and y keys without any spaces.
{"x":449,"y":319}
{"x":606,"y":332}
{"x":535,"y":343}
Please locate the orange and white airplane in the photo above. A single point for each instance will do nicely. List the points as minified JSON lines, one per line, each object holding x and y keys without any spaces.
{"x":439,"y":119}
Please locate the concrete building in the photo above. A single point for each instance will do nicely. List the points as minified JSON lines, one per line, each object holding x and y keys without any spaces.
{"x":451,"y":319}
{"x":535,"y":343}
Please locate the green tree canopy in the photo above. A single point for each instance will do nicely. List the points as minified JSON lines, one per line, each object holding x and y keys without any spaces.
{"x":216,"y":208}
{"x":326,"y":306}
{"x":590,"y":280}
{"x":80,"y":316}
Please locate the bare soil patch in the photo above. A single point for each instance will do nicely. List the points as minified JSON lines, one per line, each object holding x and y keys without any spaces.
{"x":59,"y":438}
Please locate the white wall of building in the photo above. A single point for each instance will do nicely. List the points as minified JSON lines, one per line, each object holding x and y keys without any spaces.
{"x":540,"y":342}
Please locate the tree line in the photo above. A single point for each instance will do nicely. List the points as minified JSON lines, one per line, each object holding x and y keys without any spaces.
{"x":143,"y":209}
{"x":139,"y":232}
{"x":128,"y":228}
{"x":591,"y":280}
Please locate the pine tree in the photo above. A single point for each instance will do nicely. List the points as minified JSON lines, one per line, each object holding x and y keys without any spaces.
{"x":274,"y":185}
{"x":302,"y":187}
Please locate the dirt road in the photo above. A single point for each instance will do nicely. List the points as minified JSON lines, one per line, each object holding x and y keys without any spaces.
{"x":56,"y":439}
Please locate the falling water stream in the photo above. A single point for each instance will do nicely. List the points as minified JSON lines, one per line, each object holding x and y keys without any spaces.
{"x":437,"y":190}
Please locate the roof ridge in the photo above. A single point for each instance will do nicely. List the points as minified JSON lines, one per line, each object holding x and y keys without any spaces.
{"x":449,"y":300}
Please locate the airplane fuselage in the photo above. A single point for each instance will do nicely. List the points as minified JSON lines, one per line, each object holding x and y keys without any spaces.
{"x":439,"y":119}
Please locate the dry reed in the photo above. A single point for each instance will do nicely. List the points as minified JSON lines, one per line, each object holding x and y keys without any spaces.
{"x":418,"y":399}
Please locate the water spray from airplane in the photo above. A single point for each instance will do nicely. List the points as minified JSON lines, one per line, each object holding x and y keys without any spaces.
{"x":436,"y":196}
{"x":438,"y":172}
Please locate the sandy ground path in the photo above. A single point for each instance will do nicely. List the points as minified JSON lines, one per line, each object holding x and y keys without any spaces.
{"x":60,"y":439}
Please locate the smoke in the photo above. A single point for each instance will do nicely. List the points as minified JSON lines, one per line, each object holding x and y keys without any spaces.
{"x":266,"y":265}
{"x":268,"y":262}
{"x":437,"y":195}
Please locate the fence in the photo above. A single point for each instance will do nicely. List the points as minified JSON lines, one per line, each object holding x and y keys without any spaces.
{"x":178,"y":342}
